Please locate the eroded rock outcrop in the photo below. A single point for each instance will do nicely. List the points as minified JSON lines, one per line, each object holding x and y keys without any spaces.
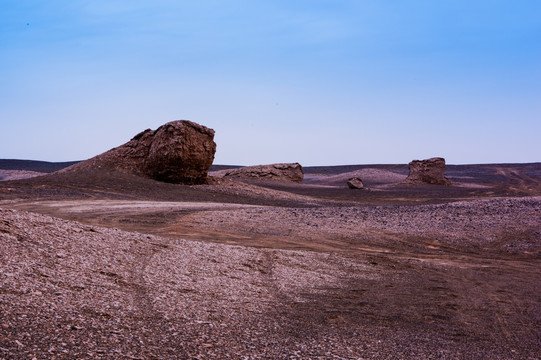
{"x":179,"y":151}
{"x":355,"y":183}
{"x":285,"y":172}
{"x":429,"y":171}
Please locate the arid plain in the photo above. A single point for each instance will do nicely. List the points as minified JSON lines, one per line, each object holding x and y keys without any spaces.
{"x":101,"y":264}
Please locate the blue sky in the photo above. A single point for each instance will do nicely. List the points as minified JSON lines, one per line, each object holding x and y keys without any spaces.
{"x":321,"y":82}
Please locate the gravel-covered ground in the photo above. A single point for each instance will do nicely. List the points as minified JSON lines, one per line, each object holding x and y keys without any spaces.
{"x":476,"y":224}
{"x":240,"y":271}
{"x":70,"y":290}
{"x":75,"y":291}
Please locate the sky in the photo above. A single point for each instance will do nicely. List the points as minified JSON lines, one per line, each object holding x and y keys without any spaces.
{"x":320,"y":82}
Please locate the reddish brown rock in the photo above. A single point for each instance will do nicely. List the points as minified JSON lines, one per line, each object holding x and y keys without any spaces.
{"x":178,"y":152}
{"x":285,"y":172}
{"x":181,"y":152}
{"x":355,"y":183}
{"x":429,"y":171}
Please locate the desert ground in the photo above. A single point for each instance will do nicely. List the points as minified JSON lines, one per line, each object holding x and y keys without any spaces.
{"x":100,"y":264}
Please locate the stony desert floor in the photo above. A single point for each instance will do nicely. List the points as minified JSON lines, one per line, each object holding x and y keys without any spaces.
{"x":104,"y":265}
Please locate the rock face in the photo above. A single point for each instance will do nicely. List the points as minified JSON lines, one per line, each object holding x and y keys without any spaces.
{"x":429,"y":171}
{"x":181,"y":152}
{"x":178,"y":152}
{"x":355,"y":183}
{"x":285,"y":172}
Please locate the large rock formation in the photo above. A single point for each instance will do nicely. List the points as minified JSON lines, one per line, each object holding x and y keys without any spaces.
{"x":284,"y":172}
{"x":429,"y":171}
{"x":178,"y":152}
{"x":181,"y":152}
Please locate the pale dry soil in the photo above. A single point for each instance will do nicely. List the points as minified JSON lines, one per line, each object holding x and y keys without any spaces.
{"x":104,"y":272}
{"x":6,"y":175}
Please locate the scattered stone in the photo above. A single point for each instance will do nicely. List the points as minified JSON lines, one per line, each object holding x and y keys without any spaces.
{"x":355,"y":183}
{"x":429,"y":171}
{"x":285,"y":172}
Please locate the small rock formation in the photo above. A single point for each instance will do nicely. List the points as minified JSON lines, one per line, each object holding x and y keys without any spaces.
{"x":179,"y":151}
{"x":284,"y":172}
{"x":429,"y":171}
{"x":355,"y":183}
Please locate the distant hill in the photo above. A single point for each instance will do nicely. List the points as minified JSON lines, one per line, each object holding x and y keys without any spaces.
{"x":33,"y":165}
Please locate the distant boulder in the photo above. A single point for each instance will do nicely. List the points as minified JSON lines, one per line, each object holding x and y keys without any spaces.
{"x":355,"y":183}
{"x":429,"y":171}
{"x":282,"y":172}
{"x":179,"y":151}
